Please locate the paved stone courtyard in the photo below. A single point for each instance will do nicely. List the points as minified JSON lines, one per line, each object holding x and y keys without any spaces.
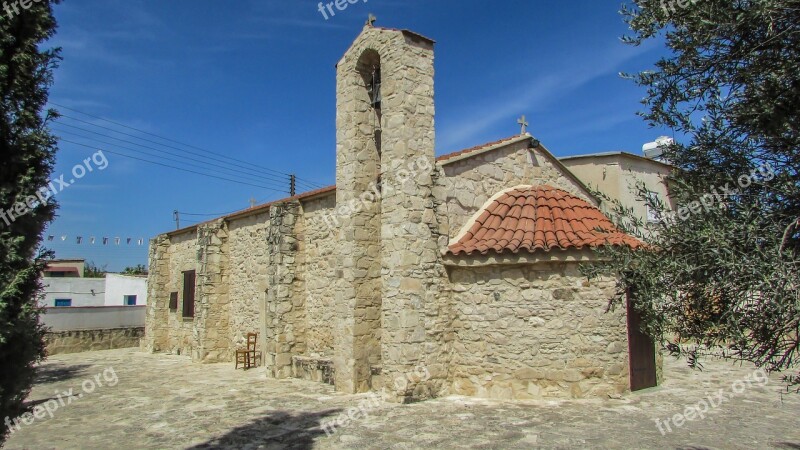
{"x":128,"y":399}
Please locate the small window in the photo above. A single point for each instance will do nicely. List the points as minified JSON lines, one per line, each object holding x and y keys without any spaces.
{"x":173,"y":301}
{"x":130,"y":300}
{"x":63,"y":302}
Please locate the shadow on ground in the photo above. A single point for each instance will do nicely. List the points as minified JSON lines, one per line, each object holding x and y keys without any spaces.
{"x":277,"y":430}
{"x":53,"y":373}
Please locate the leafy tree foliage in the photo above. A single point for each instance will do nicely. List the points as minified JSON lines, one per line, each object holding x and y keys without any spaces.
{"x":722,"y":275}
{"x":139,"y":269}
{"x":28,"y":152}
{"x":92,"y":270}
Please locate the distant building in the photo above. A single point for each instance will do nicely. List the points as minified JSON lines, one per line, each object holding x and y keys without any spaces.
{"x":126,"y":290}
{"x":113,"y":290}
{"x":65,"y":268}
{"x":617,"y":173}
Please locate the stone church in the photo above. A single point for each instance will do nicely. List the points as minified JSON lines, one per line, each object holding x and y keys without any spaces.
{"x":414,"y":276}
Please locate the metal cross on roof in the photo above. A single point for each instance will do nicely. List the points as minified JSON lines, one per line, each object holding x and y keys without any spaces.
{"x":371,"y":20}
{"x":524,"y":123}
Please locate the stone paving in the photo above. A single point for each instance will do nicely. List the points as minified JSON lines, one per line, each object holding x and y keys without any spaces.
{"x":126,"y":399}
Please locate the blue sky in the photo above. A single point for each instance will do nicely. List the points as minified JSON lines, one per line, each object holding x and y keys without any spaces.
{"x":254,"y":80}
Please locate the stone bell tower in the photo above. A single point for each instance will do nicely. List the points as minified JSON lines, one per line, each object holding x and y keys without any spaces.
{"x":384,"y":160}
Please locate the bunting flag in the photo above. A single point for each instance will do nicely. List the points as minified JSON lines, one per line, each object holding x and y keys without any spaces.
{"x":92,"y":240}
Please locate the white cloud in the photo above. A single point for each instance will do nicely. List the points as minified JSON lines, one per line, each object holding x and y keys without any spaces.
{"x":545,"y":86}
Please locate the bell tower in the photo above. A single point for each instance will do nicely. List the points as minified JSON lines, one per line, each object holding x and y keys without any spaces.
{"x":384,"y":158}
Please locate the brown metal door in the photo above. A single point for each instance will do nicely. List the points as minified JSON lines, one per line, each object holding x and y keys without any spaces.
{"x":642,"y":353}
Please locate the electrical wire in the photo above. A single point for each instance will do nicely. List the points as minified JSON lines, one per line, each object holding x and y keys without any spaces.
{"x":169,"y":166}
{"x":306,"y":182}
{"x":257,"y":173}
{"x":179,"y":161}
{"x":238,"y":167}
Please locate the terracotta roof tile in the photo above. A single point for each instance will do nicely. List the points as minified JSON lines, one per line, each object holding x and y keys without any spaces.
{"x":539,"y":218}
{"x":259,"y":208}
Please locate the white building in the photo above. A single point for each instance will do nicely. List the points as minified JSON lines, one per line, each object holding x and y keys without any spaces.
{"x":113,"y":290}
{"x":125,"y":290}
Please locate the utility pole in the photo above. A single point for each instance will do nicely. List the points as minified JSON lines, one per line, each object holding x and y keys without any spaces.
{"x":292,"y":185}
{"x":176,"y":215}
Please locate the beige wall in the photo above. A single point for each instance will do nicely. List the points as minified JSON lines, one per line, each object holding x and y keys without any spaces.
{"x":536,"y":331}
{"x":617,"y":175}
{"x":69,"y":263}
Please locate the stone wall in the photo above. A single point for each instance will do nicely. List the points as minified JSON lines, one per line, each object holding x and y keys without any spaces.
{"x":247,"y":274}
{"x":536,"y":331}
{"x":212,"y":312}
{"x":77,"y":341}
{"x":471,"y":182}
{"x":318,"y":250}
{"x":283,"y":326}
{"x":157,"y":316}
{"x":206,"y":335}
{"x":182,"y":339}
{"x":266,"y":264}
{"x":387,"y":293}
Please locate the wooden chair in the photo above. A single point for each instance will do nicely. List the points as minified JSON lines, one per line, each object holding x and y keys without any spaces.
{"x":247,"y":356}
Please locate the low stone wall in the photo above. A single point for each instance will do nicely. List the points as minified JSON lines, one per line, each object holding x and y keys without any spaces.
{"x":314,"y":369}
{"x":76,"y":341}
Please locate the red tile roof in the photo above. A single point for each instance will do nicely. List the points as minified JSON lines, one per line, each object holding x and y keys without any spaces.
{"x":260,"y":208}
{"x":475,"y":149}
{"x":539,"y":218}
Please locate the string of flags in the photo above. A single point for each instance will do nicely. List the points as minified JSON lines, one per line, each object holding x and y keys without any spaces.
{"x":104,"y":240}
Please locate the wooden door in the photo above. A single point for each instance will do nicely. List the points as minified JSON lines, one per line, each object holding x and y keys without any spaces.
{"x":642,"y":351}
{"x":188,"y":293}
